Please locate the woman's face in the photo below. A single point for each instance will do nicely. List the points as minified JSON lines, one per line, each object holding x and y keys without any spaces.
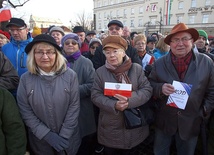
{"x":57,"y":36}
{"x":93,"y":47}
{"x":3,"y":40}
{"x":70,"y":46}
{"x":45,"y":56}
{"x":114,"y":56}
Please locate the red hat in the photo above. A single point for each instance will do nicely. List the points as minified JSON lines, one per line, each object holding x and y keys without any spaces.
{"x":6,"y":34}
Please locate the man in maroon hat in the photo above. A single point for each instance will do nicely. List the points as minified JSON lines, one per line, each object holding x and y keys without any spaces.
{"x":183,"y":81}
{"x":79,"y":30}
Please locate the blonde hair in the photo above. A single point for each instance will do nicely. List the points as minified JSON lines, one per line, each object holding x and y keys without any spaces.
{"x":162,"y":46}
{"x":60,"y":61}
{"x":139,"y":37}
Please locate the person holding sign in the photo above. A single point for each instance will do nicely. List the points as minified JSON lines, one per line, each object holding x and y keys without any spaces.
{"x":183,"y":81}
{"x":118,"y":85}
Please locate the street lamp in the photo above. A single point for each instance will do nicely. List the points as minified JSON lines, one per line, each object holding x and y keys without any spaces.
{"x":160,"y":19}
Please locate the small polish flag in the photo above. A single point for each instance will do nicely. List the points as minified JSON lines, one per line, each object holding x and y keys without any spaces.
{"x":118,"y":88}
{"x":5,"y":14}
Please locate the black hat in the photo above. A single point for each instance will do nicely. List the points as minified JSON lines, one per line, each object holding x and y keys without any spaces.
{"x":77,"y":29}
{"x":91,"y":32}
{"x":17,"y":22}
{"x":116,"y":22}
{"x":42,"y":38}
{"x":151,"y":39}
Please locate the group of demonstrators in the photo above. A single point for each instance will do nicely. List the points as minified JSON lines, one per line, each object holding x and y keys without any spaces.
{"x":68,"y":93}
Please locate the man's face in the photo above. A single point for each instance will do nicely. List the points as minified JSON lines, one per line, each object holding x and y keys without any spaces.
{"x":115,"y":30}
{"x":181,"y":44}
{"x":200,"y":43}
{"x":151,"y":45}
{"x":90,"y":36}
{"x":81,"y":36}
{"x":18,"y":33}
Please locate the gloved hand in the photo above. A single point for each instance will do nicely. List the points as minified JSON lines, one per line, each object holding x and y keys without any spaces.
{"x":56,"y":141}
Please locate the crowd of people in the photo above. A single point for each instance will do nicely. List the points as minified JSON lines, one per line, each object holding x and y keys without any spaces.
{"x":54,"y":98}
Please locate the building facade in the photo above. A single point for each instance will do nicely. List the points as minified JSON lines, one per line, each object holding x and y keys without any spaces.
{"x":42,"y":22}
{"x":148,"y":16}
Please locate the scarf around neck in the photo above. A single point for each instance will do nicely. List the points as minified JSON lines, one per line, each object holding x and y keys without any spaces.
{"x":73,"y":57}
{"x":121,"y":71}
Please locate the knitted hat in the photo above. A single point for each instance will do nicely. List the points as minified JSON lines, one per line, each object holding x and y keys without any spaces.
{"x":36,"y":31}
{"x":70,"y":36}
{"x":57,"y":28}
{"x":94,"y":40}
{"x":42,"y":38}
{"x":115,"y":41}
{"x":6,"y":34}
{"x":77,"y":29}
{"x":203,"y":33}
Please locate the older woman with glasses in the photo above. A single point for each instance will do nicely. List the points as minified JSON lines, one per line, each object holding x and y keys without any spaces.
{"x":85,"y":72}
{"x":112,"y":133}
{"x":48,"y":99}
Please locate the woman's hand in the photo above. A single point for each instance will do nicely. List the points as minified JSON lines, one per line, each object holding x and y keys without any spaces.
{"x":122,"y":104}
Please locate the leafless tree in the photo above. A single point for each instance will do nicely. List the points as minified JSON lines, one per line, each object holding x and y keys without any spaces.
{"x":85,"y":20}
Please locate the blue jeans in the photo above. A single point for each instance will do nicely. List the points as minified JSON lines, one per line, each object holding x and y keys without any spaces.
{"x":162,"y":144}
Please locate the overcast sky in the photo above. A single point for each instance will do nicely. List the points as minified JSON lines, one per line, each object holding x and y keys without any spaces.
{"x":66,"y":10}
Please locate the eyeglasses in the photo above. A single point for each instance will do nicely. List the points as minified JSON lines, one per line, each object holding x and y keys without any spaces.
{"x":139,"y":44}
{"x":109,"y":53}
{"x":18,"y":30}
{"x":183,"y":40}
{"x":48,"y":53}
{"x":114,"y":28}
{"x":93,"y":47}
{"x":73,"y":42}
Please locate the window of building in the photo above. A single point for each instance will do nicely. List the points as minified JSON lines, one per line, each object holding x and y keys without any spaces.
{"x":205,"y":18}
{"x":105,"y":15}
{"x":193,"y":3}
{"x":140,"y":10}
{"x":112,"y":2}
{"x":132,"y":23}
{"x":124,"y":12}
{"x":179,"y":19}
{"x":132,"y":11}
{"x":125,"y":23}
{"x":140,"y":22}
{"x":105,"y":3}
{"x":192,"y":19}
{"x":118,"y":13}
{"x":99,"y":26}
{"x":99,"y":16}
{"x":207,"y":2}
{"x":181,"y":5}
{"x":153,"y":21}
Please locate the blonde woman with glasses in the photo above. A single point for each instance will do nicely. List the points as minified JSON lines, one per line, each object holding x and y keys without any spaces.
{"x":48,"y":99}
